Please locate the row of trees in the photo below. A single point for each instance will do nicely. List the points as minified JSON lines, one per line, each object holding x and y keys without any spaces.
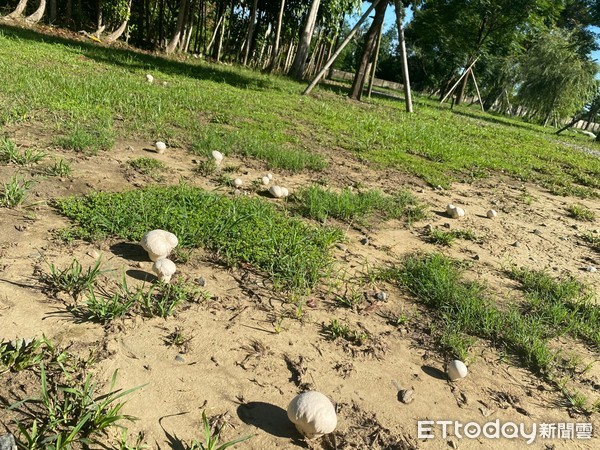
{"x":531,"y":53}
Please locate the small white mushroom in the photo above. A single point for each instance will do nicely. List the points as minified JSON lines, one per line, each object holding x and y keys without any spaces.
{"x":238,"y":182}
{"x":491,"y":214}
{"x":270,"y":176}
{"x":591,"y":269}
{"x":285,"y":192}
{"x":313,"y":414}
{"x":149,"y":78}
{"x":266,"y":180}
{"x":164,"y":83}
{"x":164,"y":269}
{"x":159,"y":244}
{"x":276,"y":191}
{"x":457,"y":370}
{"x":454,"y":211}
{"x":160,"y":146}
{"x":217,"y":156}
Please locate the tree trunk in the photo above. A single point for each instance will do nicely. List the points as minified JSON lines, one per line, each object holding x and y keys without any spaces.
{"x":52,"y":11}
{"x":275,"y":53}
{"x":370,"y":40}
{"x":403,"y":59}
{"x":299,"y":63}
{"x":250,"y":34}
{"x":99,"y":27}
{"x":19,"y":9}
{"x":119,"y":31}
{"x":38,"y":14}
{"x":172,"y":45}
{"x":373,"y":67}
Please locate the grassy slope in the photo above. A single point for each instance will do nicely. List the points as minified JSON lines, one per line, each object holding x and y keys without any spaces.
{"x":210,"y":107}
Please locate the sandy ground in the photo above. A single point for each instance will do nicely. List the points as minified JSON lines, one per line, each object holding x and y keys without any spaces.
{"x":245,"y":363}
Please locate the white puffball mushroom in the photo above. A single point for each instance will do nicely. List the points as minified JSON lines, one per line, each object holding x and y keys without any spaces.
{"x":270,"y":176}
{"x":276,"y":191}
{"x":491,"y":214}
{"x":313,"y":414}
{"x":265,"y":180}
{"x":217,"y":156}
{"x":454,"y":211}
{"x":160,"y":146}
{"x":238,"y":182}
{"x":457,"y":370}
{"x":285,"y":192}
{"x":164,"y":269}
{"x":149,"y":78}
{"x":159,"y":244}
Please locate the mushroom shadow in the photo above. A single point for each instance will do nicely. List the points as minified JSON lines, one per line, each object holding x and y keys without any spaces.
{"x":269,"y":418}
{"x":442,"y":214}
{"x":129,"y":250}
{"x":141,"y":275}
{"x":433,"y":372}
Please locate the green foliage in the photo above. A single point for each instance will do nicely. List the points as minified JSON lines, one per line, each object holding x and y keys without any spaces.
{"x":556,"y":80}
{"x":592,"y":239}
{"x":86,"y":139}
{"x":212,"y":436}
{"x":21,"y":354}
{"x":319,"y":204}
{"x":447,"y":238}
{"x":14,"y":193}
{"x":60,"y":168}
{"x":238,"y":230}
{"x":10,"y":153}
{"x":580,"y":212}
{"x":336,"y":329}
{"x":73,"y":280}
{"x":146,"y":166}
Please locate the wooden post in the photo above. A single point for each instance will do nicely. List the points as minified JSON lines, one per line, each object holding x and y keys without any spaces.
{"x":374,"y":65}
{"x":465,"y":73}
{"x":477,"y":89}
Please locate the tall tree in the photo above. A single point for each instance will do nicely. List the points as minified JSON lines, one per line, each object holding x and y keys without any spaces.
{"x":369,"y":46}
{"x":299,"y":64}
{"x":250,"y":34}
{"x":172,"y":45}
{"x":19,"y":9}
{"x":275,"y":52}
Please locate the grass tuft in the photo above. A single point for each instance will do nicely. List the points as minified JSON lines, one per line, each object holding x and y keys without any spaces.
{"x":60,"y":168}
{"x":238,"y":230}
{"x":319,"y":204}
{"x":14,"y":193}
{"x":10,"y":153}
{"x":580,"y":212}
{"x":86,"y":140}
{"x":146,"y":166}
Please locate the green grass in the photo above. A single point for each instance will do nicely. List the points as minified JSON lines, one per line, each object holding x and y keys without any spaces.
{"x":592,"y":239}
{"x":336,"y":329}
{"x":21,"y":355}
{"x":212,"y":436}
{"x":10,"y":153}
{"x":15,"y":191}
{"x":101,"y":94}
{"x":319,"y":204}
{"x":72,"y":280}
{"x":580,"y":212}
{"x":238,"y":230}
{"x":447,"y":238}
{"x":146,"y":166}
{"x":59,"y":168}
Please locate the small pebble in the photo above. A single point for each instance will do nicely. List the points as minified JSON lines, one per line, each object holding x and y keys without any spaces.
{"x":341,"y":247}
{"x":179,"y":358}
{"x":538,"y":232}
{"x":7,"y":442}
{"x":476,"y":257}
{"x":446,"y":225}
{"x":200,"y":281}
{"x":453,"y":444}
{"x":591,"y":269}
{"x":406,"y":395}
{"x":516,"y":244}
{"x":364,"y":241}
{"x":381,"y":296}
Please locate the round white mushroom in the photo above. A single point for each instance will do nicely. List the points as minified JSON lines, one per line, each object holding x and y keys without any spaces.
{"x":164,"y":269}
{"x":457,"y":370}
{"x":313,"y":414}
{"x":265,"y":180}
{"x":238,"y":182}
{"x":276,"y":191}
{"x":491,"y":214}
{"x":217,"y":156}
{"x":159,"y":244}
{"x":149,"y":78}
{"x":270,"y":176}
{"x":285,"y":192}
{"x":160,"y":146}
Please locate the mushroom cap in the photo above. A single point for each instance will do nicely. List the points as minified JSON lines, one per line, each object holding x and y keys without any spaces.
{"x":160,"y":146}
{"x":238,"y":182}
{"x":313,"y":414}
{"x":217,"y":156}
{"x":265,"y":180}
{"x":457,"y":370}
{"x":491,"y":214}
{"x":149,"y":78}
{"x":164,"y":269}
{"x":285,"y":192}
{"x":454,"y":211}
{"x":159,"y":243}
{"x":276,"y":191}
{"x":270,"y":176}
